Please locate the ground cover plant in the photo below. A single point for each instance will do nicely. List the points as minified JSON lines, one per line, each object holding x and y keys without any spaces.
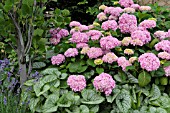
{"x":118,"y":64}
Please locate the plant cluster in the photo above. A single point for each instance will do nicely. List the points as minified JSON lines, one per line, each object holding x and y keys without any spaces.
{"x":118,"y":64}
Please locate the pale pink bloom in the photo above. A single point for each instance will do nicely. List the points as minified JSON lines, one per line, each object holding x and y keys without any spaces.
{"x":148,"y":24}
{"x":127,"y":23}
{"x":149,"y":61}
{"x":110,"y":58}
{"x":112,"y":17}
{"x":163,"y":45}
{"x":132,"y":59}
{"x":94,"y":34}
{"x":123,"y":62}
{"x":84,"y":50}
{"x":164,"y":55}
{"x":76,"y":82}
{"x":109,"y":42}
{"x":54,"y":41}
{"x":79,"y":37}
{"x":136,"y":42}
{"x":74,"y":24}
{"x":101,"y":16}
{"x":126,"y":41}
{"x":126,"y":3}
{"x":167,"y":71}
{"x":104,"y":83}
{"x":129,"y":10}
{"x":135,"y":6}
{"x":94,"y":52}
{"x":71,"y":52}
{"x":145,"y":8}
{"x":102,"y":7}
{"x":81,"y":45}
{"x":83,"y":28}
{"x":144,"y":36}
{"x":56,"y":60}
{"x":160,"y":35}
{"x":90,"y":27}
{"x":110,"y":24}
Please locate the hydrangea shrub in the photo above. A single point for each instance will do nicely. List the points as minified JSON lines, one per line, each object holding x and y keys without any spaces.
{"x":120,"y":63}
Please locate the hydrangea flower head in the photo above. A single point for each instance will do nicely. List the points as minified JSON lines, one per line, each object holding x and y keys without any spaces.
{"x":135,"y":6}
{"x":56,"y":60}
{"x":81,"y":45}
{"x":109,"y":42}
{"x":102,"y":7}
{"x":110,"y":58}
{"x":160,"y":35}
{"x":123,"y":62}
{"x":84,"y":50}
{"x":129,"y":51}
{"x":110,"y":24}
{"x":167,"y":71}
{"x":79,"y":37}
{"x":149,"y":61}
{"x":71,"y":52}
{"x":126,"y":41}
{"x":129,"y":10}
{"x":144,"y":36}
{"x":74,"y":24}
{"x":94,"y":52}
{"x":136,"y":42}
{"x":148,"y":24}
{"x":94,"y":34}
{"x":145,"y":8}
{"x":76,"y":82}
{"x":54,"y":41}
{"x":132,"y":59}
{"x":101,"y":16}
{"x":164,"y":55}
{"x":104,"y":83}
{"x":98,"y":61}
{"x":163,"y":45}
{"x":127,"y":23}
{"x":126,"y":3}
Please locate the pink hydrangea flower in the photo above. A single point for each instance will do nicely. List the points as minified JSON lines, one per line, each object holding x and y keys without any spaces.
{"x":144,"y":36}
{"x":59,"y":33}
{"x":109,"y":42}
{"x":168,"y":34}
{"x":148,"y":24}
{"x":149,"y":61}
{"x":160,"y":35}
{"x":126,"y":3}
{"x":163,"y":45}
{"x":54,"y":41}
{"x":145,"y":8}
{"x":79,"y":37}
{"x":74,"y":24}
{"x":126,"y":41}
{"x":129,"y":10}
{"x":112,"y":17}
{"x":114,"y":11}
{"x":167,"y":71}
{"x":123,"y":62}
{"x":72,"y":31}
{"x":104,"y":83}
{"x":127,"y":23}
{"x":90,"y":26}
{"x":164,"y":55}
{"x":109,"y":58}
{"x":81,"y":45}
{"x":83,"y":28}
{"x":56,"y":60}
{"x":76,"y":82}
{"x":71,"y":52}
{"x":136,"y":42}
{"x":110,"y":24}
{"x":94,"y":34}
{"x":94,"y":52}
{"x":101,"y":16}
{"x":132,"y":59}
{"x":135,"y":6}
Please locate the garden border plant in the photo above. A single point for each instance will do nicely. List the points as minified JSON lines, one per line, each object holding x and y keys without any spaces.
{"x":121,"y":60}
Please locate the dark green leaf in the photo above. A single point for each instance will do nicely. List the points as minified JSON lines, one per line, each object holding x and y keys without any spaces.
{"x":144,"y":78}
